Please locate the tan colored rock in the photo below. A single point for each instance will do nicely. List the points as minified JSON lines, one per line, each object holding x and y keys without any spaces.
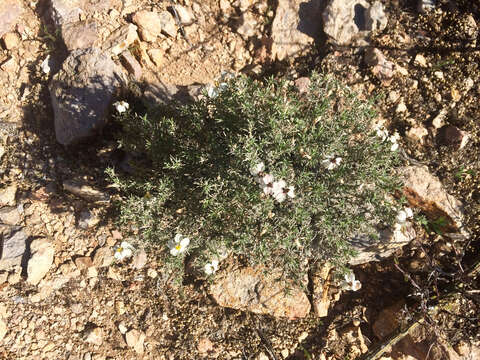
{"x":7,"y":195}
{"x":121,"y":39}
{"x":420,"y":60}
{"x":10,"y":11}
{"x":205,"y":346}
{"x":247,"y":25}
{"x":83,"y":262}
{"x":10,"y":215}
{"x":417,"y":133}
{"x":148,"y":24}
{"x":294,"y":27}
{"x":421,"y":343}
{"x":425,"y":191}
{"x":94,"y":336}
{"x":186,"y":16}
{"x":103,"y":257}
{"x":157,"y":56}
{"x":41,"y":260}
{"x":302,"y":84}
{"x":251,"y":290}
{"x":3,"y":329}
{"x":11,"y":40}
{"x":135,"y":340}
{"x":151,"y":24}
{"x":167,"y":24}
{"x":140,"y":259}
{"x":439,"y":120}
{"x":9,"y":65}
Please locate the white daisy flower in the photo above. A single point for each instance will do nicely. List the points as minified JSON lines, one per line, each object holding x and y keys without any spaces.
{"x":258,"y":168}
{"x":211,"y":267}
{"x":350,"y":284}
{"x":178,"y":245}
{"x":409,"y":212}
{"x":404,"y":214}
{"x":123,"y":251}
{"x":331,"y":162}
{"x":121,"y":106}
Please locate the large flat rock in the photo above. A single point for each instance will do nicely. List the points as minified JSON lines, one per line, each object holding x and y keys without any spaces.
{"x":295,"y":27}
{"x":82,"y":92}
{"x":252,"y":289}
{"x":369,"y":249}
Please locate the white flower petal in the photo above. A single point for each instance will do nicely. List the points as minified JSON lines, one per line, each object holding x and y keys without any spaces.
{"x":174,"y":252}
{"x":118,"y":255}
{"x":401,"y":216}
{"x":350,"y":277}
{"x":178,"y":238}
{"x":46,"y":65}
{"x":409,"y":212}
{"x":280,"y":197}
{"x":257,"y":168}
{"x":357,"y":285}
{"x":267,"y":179}
{"x":267,"y":190}
{"x":126,"y":245}
{"x":185,"y":242}
{"x":291,"y":192}
{"x":127,"y":252}
{"x":394,"y":147}
{"x":338,"y":160}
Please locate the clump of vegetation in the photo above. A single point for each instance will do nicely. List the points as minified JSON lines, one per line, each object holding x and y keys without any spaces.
{"x":258,"y":170}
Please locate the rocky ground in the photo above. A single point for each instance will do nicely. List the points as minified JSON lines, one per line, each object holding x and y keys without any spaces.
{"x":62,"y":293}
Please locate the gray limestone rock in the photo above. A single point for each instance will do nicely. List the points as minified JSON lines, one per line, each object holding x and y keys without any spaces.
{"x":13,"y":247}
{"x":80,"y":35}
{"x":369,"y":249}
{"x":347,"y":20}
{"x":81,"y":94}
{"x":69,"y":11}
{"x":295,"y":27}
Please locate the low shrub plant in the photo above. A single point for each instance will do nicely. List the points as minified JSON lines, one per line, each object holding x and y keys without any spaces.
{"x":257,"y":170}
